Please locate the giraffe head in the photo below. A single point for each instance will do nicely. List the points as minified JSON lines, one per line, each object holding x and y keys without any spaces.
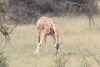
{"x":57,"y":44}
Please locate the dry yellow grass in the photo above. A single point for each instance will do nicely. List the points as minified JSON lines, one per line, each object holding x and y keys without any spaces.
{"x":72,"y":30}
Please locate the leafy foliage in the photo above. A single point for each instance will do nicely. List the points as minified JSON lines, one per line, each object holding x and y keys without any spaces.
{"x":60,"y":61}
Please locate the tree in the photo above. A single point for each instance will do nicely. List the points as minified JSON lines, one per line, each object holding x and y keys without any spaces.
{"x":26,"y":10}
{"x":4,"y":30}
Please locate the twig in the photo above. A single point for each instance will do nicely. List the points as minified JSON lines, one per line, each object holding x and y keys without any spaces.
{"x":8,"y":40}
{"x":81,"y":52}
{"x":13,"y":47}
{"x":94,"y":58}
{"x":4,"y":30}
{"x":13,"y":28}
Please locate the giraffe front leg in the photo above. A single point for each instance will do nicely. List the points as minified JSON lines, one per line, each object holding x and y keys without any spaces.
{"x":42,"y":38}
{"x":37,"y":50}
{"x":38,"y":40}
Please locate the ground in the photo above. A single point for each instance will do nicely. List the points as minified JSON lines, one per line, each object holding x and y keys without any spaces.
{"x":73,"y":31}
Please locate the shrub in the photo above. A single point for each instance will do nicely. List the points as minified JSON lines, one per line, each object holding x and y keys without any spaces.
{"x":60,"y":61}
{"x":3,"y":60}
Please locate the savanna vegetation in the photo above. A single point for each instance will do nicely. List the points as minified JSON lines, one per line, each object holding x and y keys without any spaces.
{"x":79,"y":38}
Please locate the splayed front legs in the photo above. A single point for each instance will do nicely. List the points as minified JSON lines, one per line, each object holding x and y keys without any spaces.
{"x":40,"y":43}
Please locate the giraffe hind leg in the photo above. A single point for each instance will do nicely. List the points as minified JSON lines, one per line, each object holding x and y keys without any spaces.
{"x":46,"y":48}
{"x":39,"y":41}
{"x":39,"y":38}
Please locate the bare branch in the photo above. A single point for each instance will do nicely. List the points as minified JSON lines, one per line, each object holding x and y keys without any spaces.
{"x":13,"y":47}
{"x":3,"y":29}
{"x":81,"y":52}
{"x":13,"y":28}
{"x":69,"y":8}
{"x":90,"y":56}
{"x":94,"y":58}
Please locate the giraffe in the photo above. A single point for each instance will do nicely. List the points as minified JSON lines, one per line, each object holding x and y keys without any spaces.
{"x":49,"y":27}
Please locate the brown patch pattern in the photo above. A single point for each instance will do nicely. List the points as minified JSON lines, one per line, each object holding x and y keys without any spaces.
{"x":49,"y":27}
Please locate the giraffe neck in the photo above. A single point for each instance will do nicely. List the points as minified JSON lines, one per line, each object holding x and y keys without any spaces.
{"x":56,"y":36}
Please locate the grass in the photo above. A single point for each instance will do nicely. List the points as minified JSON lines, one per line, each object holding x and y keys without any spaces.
{"x":72,"y":31}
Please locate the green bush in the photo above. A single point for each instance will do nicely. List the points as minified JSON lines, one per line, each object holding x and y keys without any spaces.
{"x":60,"y":61}
{"x":3,"y":60}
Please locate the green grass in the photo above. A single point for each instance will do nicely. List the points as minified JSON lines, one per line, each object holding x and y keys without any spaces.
{"x":72,"y":31}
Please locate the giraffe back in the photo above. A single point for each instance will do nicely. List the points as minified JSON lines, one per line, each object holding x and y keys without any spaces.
{"x":45,"y":23}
